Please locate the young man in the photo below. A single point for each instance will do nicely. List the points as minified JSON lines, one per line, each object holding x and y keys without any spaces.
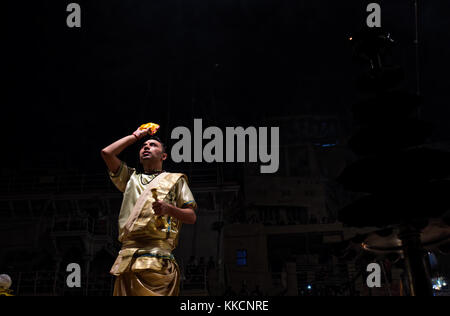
{"x":155,"y":204}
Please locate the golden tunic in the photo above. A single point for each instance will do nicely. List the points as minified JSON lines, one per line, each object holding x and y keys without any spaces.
{"x":145,"y":264}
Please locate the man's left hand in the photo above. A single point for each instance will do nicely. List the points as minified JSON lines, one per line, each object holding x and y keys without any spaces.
{"x":161,"y":208}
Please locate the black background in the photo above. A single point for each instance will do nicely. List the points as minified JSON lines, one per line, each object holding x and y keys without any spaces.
{"x":70,"y":92}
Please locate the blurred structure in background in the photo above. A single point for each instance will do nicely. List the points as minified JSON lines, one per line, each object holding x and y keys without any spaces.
{"x":404,"y":180}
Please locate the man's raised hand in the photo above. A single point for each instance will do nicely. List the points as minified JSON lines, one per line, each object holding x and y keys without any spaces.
{"x":141,"y":133}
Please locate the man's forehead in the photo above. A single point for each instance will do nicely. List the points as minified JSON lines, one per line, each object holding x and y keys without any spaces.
{"x":151,"y":141}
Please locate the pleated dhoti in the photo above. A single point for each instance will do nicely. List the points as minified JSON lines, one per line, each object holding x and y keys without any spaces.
{"x":152,"y":282}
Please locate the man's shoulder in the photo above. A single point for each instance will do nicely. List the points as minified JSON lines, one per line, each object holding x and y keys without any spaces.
{"x":177,"y":176}
{"x":132,"y":172}
{"x":175,"y":173}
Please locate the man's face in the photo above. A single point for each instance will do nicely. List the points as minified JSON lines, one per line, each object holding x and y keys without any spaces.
{"x":152,"y":150}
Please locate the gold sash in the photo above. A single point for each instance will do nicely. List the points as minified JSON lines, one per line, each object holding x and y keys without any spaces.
{"x":140,"y":203}
{"x":141,"y":234}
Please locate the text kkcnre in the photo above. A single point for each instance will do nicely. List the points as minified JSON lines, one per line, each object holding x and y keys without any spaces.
{"x":215,"y":151}
{"x":227,"y":306}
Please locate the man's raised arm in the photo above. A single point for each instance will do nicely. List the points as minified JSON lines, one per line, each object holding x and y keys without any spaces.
{"x":110,"y":153}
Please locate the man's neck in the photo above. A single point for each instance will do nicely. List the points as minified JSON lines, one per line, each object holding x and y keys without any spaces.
{"x":152,"y":168}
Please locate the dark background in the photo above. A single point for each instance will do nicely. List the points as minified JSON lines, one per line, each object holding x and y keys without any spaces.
{"x":68,"y":93}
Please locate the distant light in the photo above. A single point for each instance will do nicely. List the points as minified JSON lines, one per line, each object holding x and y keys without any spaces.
{"x":438,"y":283}
{"x":241,"y":257}
{"x":309,"y":287}
{"x":325,"y":145}
{"x":351,"y":38}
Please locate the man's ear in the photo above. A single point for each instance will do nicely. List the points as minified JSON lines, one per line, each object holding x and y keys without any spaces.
{"x":164,"y":156}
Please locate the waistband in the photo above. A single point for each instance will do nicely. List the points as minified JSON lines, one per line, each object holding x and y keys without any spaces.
{"x":133,"y":249}
{"x":163,"y":245}
{"x":154,"y":255}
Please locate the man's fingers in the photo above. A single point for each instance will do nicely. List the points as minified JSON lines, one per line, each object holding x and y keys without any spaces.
{"x":156,"y":207}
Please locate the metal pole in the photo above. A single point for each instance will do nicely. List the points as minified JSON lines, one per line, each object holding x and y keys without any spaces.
{"x":169,"y":103}
{"x":416,"y":43}
{"x":419,"y":279}
{"x":383,"y":268}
